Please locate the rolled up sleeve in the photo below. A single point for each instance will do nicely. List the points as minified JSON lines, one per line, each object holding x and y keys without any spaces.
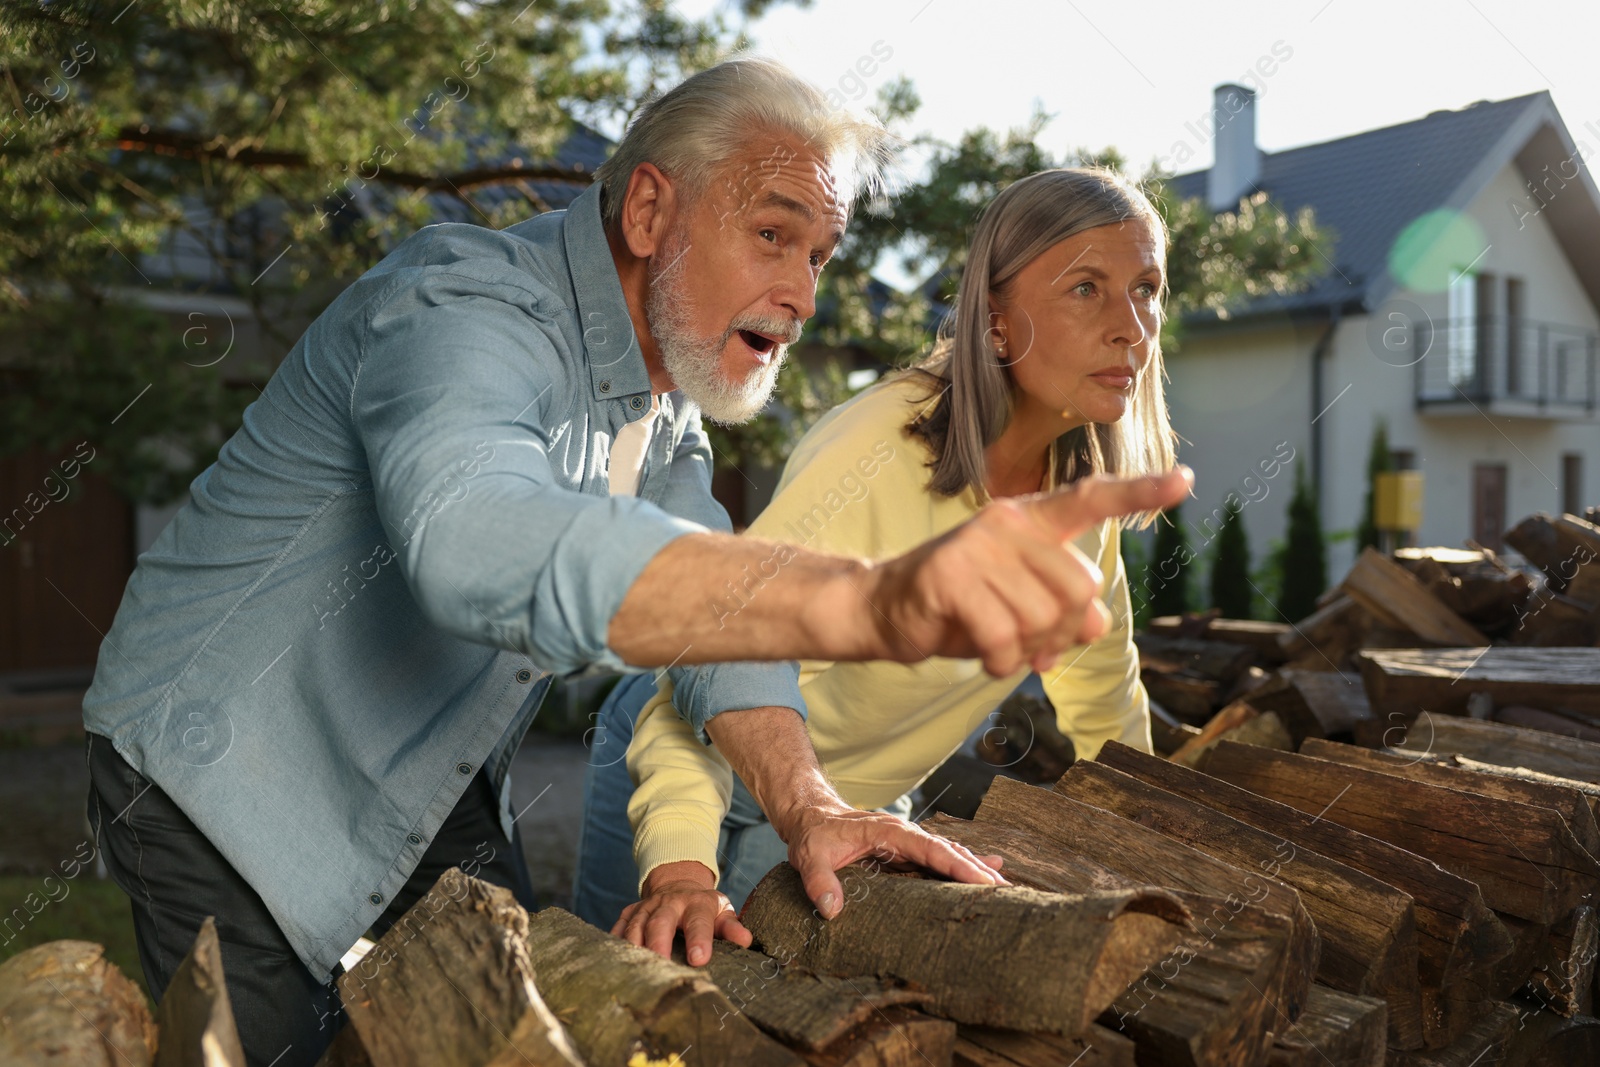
{"x":462,"y":383}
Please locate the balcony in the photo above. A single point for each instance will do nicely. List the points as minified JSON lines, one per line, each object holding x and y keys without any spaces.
{"x":1506,"y":366}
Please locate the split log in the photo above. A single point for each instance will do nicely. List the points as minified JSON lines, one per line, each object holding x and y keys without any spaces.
{"x":1211,"y":1007}
{"x":893,"y":1037}
{"x":1530,"y":946}
{"x":1563,"y":978}
{"x":1337,"y":1028}
{"x":803,"y":1010}
{"x":1367,"y":927}
{"x":1484,"y":1045}
{"x":1237,"y":722}
{"x":618,"y":1000}
{"x":990,"y":955}
{"x":1524,"y":858}
{"x":1547,"y":619}
{"x":1551,"y":722}
{"x":1326,"y":636}
{"x":1315,"y":703}
{"x":1390,"y":593}
{"x":1458,"y":938}
{"x":1023,"y":738}
{"x":1262,"y":638}
{"x":1571,"y":804}
{"x":195,"y":1019}
{"x":1148,"y":856}
{"x":1219,"y":661}
{"x":1191,"y":699}
{"x":64,"y":1002}
{"x":1500,"y":744}
{"x":983,"y":1046}
{"x":459,"y":959}
{"x":1407,"y":681}
{"x":1559,"y":546}
{"x":1167,"y":734}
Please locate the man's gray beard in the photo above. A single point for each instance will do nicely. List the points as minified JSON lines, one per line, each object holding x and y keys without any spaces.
{"x":695,"y":362}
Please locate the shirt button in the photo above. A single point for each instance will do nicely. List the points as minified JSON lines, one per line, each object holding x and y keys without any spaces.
{"x":637,"y":403}
{"x":374,"y":899}
{"x":524,"y":675}
{"x":605,"y":385}
{"x":415,"y":839}
{"x":463,"y":768}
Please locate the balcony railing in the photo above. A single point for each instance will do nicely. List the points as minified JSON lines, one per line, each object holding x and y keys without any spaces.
{"x":1508,"y":363}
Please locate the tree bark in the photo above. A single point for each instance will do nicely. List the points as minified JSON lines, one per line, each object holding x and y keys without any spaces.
{"x":1497,"y":743}
{"x":995,"y":956}
{"x":1148,"y":857}
{"x":1403,"y":680}
{"x":1524,"y":858}
{"x":64,"y":1003}
{"x":1459,"y":939}
{"x":804,"y":1010}
{"x":452,"y":985}
{"x":618,"y":1000}
{"x":195,"y":1019}
{"x":1570,"y":804}
{"x":1368,"y":927}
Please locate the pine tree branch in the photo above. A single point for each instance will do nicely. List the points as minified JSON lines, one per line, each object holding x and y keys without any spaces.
{"x":194,"y":146}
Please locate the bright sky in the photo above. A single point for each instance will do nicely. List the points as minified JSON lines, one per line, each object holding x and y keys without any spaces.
{"x":1139,"y":76}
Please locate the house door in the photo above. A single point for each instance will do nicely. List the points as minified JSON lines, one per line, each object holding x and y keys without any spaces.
{"x":66,"y":550}
{"x":1489,"y":504}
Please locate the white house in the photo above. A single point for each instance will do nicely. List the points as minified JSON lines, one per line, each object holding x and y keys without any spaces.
{"x":1460,"y":302}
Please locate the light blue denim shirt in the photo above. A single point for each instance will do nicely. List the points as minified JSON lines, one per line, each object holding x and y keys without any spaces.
{"x":364,"y":598}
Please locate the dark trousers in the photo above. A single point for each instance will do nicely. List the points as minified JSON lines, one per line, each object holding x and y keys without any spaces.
{"x":175,"y":878}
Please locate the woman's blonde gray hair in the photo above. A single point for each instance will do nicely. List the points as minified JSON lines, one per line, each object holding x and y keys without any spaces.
{"x":711,"y":117}
{"x":974,"y":385}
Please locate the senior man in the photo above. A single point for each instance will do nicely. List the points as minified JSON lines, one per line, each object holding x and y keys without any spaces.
{"x":482,"y":465}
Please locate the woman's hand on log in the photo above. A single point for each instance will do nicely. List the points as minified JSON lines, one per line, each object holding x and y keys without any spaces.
{"x":823,"y":839}
{"x":681,"y":896}
{"x":1007,"y":587}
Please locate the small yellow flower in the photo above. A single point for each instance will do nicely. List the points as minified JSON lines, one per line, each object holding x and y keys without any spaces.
{"x":640,"y":1059}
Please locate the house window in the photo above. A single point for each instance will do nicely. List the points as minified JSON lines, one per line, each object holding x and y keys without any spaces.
{"x":1572,"y":483}
{"x":1515,"y":345}
{"x":1489,"y":504}
{"x":1461,"y":355}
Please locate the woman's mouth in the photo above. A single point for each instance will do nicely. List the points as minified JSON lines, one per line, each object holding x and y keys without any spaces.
{"x":1114,"y":377}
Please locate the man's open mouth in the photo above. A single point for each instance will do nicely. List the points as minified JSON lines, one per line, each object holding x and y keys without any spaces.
{"x":759,"y":343}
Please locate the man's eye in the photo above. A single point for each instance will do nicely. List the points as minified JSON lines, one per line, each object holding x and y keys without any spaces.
{"x":818,"y":259}
{"x":768,"y":235}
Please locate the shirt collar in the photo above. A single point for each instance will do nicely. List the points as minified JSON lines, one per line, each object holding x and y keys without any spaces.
{"x":616,"y":364}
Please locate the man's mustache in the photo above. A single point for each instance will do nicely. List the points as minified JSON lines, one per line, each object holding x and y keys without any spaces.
{"x":785,"y":331}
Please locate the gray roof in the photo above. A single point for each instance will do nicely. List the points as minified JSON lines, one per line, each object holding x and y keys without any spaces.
{"x":1366,"y":188}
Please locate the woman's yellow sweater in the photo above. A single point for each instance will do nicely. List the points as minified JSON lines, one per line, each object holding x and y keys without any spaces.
{"x":857,"y":486}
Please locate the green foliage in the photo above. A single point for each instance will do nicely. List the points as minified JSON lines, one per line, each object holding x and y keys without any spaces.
{"x":229,"y":133}
{"x":1378,"y":462}
{"x":1231,"y":593}
{"x":1304,"y":563}
{"x":1169,"y":571}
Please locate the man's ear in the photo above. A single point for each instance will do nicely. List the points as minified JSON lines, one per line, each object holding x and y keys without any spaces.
{"x":648,"y":208}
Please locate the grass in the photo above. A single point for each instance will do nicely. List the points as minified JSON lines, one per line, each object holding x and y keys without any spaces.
{"x":92,"y":910}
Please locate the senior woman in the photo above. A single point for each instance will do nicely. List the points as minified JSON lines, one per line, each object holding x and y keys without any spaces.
{"x":1050,"y":370}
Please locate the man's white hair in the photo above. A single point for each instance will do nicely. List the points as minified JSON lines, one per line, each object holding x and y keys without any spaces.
{"x":707,"y":119}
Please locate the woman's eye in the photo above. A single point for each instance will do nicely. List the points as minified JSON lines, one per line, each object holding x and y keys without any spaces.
{"x":1084,"y":288}
{"x":1147,"y":289}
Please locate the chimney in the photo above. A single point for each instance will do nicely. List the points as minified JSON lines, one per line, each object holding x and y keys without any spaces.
{"x":1238,"y":161}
